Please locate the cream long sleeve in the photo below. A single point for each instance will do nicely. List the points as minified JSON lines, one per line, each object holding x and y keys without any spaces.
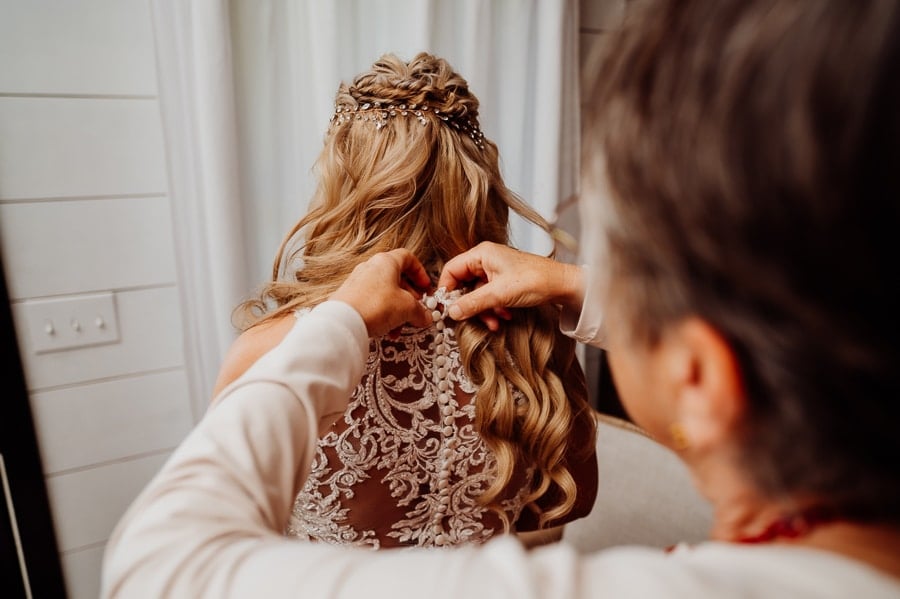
{"x":209,"y":524}
{"x":223,"y":497}
{"x":585,"y":325}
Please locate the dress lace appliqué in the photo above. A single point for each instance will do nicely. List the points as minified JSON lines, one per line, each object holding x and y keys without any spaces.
{"x":404,"y":465}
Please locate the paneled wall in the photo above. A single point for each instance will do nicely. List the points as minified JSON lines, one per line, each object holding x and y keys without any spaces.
{"x":84,"y":209}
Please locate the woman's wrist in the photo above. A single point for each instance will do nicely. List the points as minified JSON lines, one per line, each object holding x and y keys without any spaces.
{"x":569,"y":286}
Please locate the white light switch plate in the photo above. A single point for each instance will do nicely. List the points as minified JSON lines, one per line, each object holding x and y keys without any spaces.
{"x":71,"y":322}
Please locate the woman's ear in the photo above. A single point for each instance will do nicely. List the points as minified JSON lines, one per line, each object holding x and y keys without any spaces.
{"x":710,"y":397}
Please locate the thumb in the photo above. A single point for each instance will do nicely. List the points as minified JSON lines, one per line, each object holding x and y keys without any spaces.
{"x":470,"y":304}
{"x":418,"y":315}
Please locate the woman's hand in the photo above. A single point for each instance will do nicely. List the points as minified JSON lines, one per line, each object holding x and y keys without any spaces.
{"x":508,"y":278}
{"x":385,"y":290}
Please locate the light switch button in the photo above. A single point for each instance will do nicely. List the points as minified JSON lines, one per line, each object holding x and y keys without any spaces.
{"x":71,"y":322}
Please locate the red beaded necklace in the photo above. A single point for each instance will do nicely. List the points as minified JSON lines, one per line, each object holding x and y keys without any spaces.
{"x":791,"y":526}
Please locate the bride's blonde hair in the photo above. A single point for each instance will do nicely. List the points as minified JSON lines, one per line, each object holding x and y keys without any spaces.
{"x":405,"y":165}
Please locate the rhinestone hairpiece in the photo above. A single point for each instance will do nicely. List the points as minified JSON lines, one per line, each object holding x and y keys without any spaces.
{"x":380,"y":112}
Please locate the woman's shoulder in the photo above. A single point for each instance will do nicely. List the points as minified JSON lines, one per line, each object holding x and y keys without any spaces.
{"x":707,"y":570}
{"x":249,"y":346}
{"x":778,"y":570}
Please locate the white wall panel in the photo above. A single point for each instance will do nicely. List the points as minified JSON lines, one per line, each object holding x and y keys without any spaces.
{"x":57,"y":147}
{"x":75,"y":246}
{"x":87,"y":504}
{"x":86,"y":424}
{"x":82,"y":572}
{"x":84,"y":208}
{"x":84,"y":47}
{"x":150,"y":338}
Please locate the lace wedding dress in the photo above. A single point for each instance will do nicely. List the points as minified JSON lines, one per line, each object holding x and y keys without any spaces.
{"x":404,"y":466}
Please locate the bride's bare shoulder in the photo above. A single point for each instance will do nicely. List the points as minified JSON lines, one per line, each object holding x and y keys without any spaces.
{"x":249,"y":347}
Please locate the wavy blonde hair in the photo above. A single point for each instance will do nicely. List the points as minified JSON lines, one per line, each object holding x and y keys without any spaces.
{"x":435,"y":190}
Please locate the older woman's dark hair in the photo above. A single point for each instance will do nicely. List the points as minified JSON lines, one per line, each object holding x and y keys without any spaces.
{"x":752,"y":150}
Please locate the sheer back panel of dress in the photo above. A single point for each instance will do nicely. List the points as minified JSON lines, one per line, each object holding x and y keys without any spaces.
{"x":404,"y":465}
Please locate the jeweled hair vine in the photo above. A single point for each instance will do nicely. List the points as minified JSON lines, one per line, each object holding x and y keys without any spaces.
{"x":378,"y":114}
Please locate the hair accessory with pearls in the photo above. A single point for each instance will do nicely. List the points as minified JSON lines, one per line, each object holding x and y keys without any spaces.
{"x":379,"y":113}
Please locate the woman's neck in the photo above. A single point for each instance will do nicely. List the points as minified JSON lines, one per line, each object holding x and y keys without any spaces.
{"x":742,"y":515}
{"x":877,"y":545}
{"x":739,"y":510}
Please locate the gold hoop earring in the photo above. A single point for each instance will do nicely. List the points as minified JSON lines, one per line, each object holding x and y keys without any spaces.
{"x":679,"y":437}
